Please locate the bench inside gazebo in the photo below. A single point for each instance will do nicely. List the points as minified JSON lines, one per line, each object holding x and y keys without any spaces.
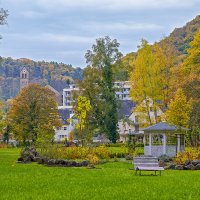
{"x":163,"y":139}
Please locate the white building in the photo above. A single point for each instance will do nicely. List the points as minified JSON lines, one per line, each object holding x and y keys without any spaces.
{"x":68,"y":95}
{"x":135,"y":119}
{"x":123,"y":90}
{"x":63,"y":132}
{"x":122,"y":93}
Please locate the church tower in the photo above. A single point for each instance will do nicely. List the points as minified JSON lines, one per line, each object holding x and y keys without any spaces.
{"x":24,"y":78}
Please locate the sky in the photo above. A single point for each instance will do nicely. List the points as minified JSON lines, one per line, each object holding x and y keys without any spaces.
{"x":63,"y":30}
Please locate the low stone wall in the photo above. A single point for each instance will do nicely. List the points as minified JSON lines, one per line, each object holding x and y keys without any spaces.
{"x":31,"y":155}
{"x":188,"y":165}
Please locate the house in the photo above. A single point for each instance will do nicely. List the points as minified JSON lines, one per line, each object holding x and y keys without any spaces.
{"x":67,"y":127}
{"x":133,"y":118}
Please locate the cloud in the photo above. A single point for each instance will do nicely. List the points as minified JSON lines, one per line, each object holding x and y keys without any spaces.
{"x":126,"y":26}
{"x":50,"y":37}
{"x":118,"y":4}
{"x":32,"y":14}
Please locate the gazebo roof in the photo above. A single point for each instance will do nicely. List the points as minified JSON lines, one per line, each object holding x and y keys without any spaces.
{"x":159,"y":127}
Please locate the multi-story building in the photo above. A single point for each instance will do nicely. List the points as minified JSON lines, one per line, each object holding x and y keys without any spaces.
{"x":122,"y":93}
{"x":68,"y":95}
{"x":122,"y":90}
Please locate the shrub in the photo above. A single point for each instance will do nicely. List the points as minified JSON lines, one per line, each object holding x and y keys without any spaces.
{"x":74,"y":153}
{"x":3,"y":145}
{"x":115,"y":145}
{"x":93,"y":159}
{"x":188,"y":155}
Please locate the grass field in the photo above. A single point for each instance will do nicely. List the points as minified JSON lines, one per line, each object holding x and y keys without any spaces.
{"x":113,"y":180}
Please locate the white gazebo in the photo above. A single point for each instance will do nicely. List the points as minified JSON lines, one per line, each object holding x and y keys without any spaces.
{"x":163,"y":139}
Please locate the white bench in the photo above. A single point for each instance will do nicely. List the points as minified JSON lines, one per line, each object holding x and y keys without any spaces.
{"x":146,"y":164}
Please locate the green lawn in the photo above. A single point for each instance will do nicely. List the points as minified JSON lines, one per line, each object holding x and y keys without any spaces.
{"x":113,"y":181}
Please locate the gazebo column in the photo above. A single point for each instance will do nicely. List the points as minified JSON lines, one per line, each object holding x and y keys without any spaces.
{"x":178,"y":143}
{"x":164,"y":143}
{"x":150,"y":143}
{"x":144,"y":140}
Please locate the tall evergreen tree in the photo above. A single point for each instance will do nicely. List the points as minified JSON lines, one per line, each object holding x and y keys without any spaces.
{"x":100,"y":61}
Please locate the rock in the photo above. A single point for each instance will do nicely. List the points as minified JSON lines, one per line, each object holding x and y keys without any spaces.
{"x":28,"y":155}
{"x":51,"y":162}
{"x":62,"y":162}
{"x":197,"y":167}
{"x":74,"y":164}
{"x":179,"y":167}
{"x":187,"y":162}
{"x":195,"y":162}
{"x":85,"y":163}
{"x":167,"y":167}
{"x":37,"y":159}
{"x":172,"y":166}
{"x":33,"y":151}
{"x":69,"y":164}
{"x":79,"y":164}
{"x":164,"y":158}
{"x":129,"y":157}
{"x":42,"y":160}
{"x":189,"y":167}
{"x":27,"y":159}
{"x":20,"y":159}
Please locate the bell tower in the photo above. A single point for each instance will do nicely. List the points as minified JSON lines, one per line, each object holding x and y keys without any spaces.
{"x":24,"y":78}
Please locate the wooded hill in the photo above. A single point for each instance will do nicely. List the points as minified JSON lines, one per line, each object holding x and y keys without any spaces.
{"x":58,"y":75}
{"x":178,"y":41}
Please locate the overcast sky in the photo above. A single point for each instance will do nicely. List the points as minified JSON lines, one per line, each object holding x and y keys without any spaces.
{"x":62,"y":30}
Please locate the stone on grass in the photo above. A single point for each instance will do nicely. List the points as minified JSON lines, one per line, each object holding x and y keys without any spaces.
{"x":197,"y":167}
{"x":172,"y":166}
{"x":195,"y":162}
{"x":187,"y":162}
{"x":189,"y":167}
{"x":179,"y":167}
{"x":85,"y":163}
{"x":51,"y":162}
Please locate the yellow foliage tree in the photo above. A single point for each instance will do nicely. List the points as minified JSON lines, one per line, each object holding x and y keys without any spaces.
{"x":150,"y":78}
{"x":82,"y":108}
{"x":179,"y":110}
{"x":189,"y":73}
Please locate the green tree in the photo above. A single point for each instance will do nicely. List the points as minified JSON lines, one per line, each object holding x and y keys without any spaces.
{"x":101,"y":59}
{"x":34,"y":114}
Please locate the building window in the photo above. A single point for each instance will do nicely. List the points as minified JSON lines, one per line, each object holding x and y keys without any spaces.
{"x":64,"y":128}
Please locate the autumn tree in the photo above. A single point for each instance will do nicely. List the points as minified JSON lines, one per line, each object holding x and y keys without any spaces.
{"x":150,"y":79}
{"x":82,"y":110}
{"x":34,"y":114}
{"x":179,"y":110}
{"x":90,"y":87}
{"x":101,"y":59}
{"x":190,"y":81}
